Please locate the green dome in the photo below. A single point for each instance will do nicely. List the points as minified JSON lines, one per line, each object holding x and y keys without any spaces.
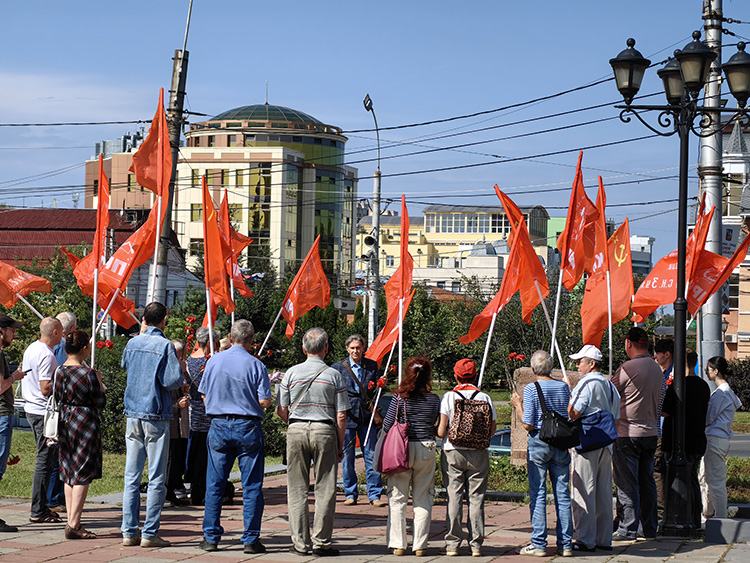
{"x":265,"y":112}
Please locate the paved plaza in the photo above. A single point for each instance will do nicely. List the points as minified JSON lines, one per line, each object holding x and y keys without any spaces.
{"x":359,"y":534}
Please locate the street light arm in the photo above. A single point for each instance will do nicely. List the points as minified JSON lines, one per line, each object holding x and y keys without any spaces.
{"x":665,"y":119}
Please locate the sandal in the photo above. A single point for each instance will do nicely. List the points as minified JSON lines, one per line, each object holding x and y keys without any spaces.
{"x":50,"y":517}
{"x":79,"y":533}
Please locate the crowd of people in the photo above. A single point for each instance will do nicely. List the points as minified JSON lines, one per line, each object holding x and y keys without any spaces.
{"x":641,"y":399}
{"x":191,"y":415}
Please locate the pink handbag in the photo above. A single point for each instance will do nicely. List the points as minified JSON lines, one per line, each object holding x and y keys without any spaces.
{"x":395,"y":455}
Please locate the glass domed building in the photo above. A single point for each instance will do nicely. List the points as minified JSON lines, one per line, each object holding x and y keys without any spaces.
{"x":285,"y":179}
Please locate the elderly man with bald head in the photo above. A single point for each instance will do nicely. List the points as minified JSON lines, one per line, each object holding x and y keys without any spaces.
{"x":39,"y":364}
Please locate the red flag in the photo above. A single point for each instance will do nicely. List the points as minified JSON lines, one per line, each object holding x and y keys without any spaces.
{"x":215,"y":255}
{"x":399,"y":284}
{"x":508,"y":288}
{"x":660,"y":286}
{"x":594,"y":311}
{"x":236,"y":243}
{"x":570,"y":243}
{"x":152,"y":163}
{"x":530,"y":264}
{"x":123,"y":309}
{"x":133,"y":253}
{"x":102,"y":216}
{"x":712,"y":272}
{"x":309,"y":288}
{"x":384,"y":341}
{"x":14,"y":282}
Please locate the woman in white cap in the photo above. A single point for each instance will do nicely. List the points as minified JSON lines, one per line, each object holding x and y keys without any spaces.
{"x":591,"y":478}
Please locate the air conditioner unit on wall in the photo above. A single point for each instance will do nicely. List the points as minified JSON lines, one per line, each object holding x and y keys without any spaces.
{"x":730,"y":338}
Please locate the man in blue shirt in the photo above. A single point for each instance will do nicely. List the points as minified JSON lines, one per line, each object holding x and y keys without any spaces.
{"x":236,"y":390}
{"x":153,"y":371}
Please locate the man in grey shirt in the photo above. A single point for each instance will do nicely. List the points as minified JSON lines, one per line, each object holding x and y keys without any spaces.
{"x":313,"y":400}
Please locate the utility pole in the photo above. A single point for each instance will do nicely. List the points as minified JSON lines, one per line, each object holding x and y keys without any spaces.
{"x":709,"y":172}
{"x":174,"y":122}
{"x":372,"y":325}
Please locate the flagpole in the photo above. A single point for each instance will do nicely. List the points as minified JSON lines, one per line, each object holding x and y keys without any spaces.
{"x":400,"y":337}
{"x":486,"y":350}
{"x":231,"y":291}
{"x":609,"y":318}
{"x":557,"y":308}
{"x":30,"y":306}
{"x":152,"y":288}
{"x":377,"y":398}
{"x":106,"y":311}
{"x":554,"y":345}
{"x":270,"y":330}
{"x":210,"y":320}
{"x":93,"y":323}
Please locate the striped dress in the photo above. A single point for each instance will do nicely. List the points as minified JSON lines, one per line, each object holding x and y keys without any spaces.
{"x":80,"y":396}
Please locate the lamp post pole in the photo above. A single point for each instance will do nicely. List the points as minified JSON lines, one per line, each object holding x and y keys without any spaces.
{"x":683,"y":77}
{"x":372,"y":325}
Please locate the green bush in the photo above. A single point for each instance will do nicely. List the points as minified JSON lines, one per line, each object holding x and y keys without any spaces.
{"x":115,"y":378}
{"x":739,"y":381}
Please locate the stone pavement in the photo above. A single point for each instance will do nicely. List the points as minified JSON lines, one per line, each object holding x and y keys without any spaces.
{"x":359,"y":533}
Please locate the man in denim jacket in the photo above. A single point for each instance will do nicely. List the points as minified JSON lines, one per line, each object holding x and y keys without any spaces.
{"x":153,"y":371}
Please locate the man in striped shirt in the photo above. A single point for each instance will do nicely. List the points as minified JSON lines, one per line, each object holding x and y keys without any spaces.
{"x":313,"y":400}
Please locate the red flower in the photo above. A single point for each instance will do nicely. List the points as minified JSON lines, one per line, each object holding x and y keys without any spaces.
{"x":109,"y":344}
{"x":191,"y":320}
{"x":381,"y":382}
{"x":15,"y":459}
{"x":371,"y":385}
{"x":269,"y":353}
{"x":100,"y":344}
{"x":512,"y":356}
{"x":256,"y":346}
{"x":391,"y":369}
{"x":520,"y":357}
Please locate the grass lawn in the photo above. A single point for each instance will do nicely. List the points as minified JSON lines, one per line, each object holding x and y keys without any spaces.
{"x":741,"y":422}
{"x":17,"y":479}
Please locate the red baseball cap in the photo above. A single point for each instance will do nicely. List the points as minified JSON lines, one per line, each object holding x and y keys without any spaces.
{"x":465,"y":369}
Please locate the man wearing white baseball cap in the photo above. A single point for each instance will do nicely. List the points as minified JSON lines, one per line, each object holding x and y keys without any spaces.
{"x":596,"y":401}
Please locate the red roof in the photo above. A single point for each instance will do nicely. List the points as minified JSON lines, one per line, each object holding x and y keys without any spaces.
{"x":26,"y":234}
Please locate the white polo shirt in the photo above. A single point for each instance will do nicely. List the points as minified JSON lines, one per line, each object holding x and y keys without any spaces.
{"x":38,"y":358}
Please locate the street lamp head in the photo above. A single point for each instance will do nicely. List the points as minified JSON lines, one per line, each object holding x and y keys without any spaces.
{"x":695,"y":61}
{"x":629,"y":67}
{"x":737,"y":71}
{"x":368,"y":102}
{"x":671,"y":77}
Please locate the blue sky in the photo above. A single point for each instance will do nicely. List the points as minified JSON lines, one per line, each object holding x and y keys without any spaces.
{"x":420,"y":61}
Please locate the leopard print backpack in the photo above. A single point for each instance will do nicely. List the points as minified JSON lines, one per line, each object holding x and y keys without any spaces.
{"x":471,"y":424}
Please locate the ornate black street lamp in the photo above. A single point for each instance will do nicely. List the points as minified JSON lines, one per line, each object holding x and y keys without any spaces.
{"x":683,"y":78}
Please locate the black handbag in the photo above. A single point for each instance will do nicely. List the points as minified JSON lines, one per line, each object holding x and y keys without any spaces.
{"x":557,"y":431}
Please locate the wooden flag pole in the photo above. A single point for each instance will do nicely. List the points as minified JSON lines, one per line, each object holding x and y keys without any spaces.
{"x":210,"y":320}
{"x":93,"y":322}
{"x":270,"y":330}
{"x":486,"y":350}
{"x":377,"y":397}
{"x":554,"y":346}
{"x":609,"y":319}
{"x":30,"y":306}
{"x":400,"y":337}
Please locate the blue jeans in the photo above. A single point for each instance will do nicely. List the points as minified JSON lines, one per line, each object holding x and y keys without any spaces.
{"x":6,"y":433}
{"x":230,"y":439}
{"x":374,"y":480}
{"x":633,"y":469}
{"x":144,"y":438}
{"x":541,"y":457}
{"x":55,"y":490}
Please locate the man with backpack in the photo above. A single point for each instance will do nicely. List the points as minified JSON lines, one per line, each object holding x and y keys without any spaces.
{"x":467,"y":422}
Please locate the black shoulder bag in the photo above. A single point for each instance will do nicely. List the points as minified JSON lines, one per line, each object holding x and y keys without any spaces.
{"x":557,"y":431}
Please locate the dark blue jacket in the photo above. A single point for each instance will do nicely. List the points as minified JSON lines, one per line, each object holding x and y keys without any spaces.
{"x":358,"y":414}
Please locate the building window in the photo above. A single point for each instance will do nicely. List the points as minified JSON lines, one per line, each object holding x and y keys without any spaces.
{"x":195,"y":247}
{"x":235,"y":212}
{"x":196,"y":212}
{"x":429,"y":223}
{"x":734,"y":292}
{"x":195,"y":178}
{"x":472,"y":224}
{"x":389,"y":261}
{"x":459,"y":223}
{"x":446,"y":223}
{"x":484,"y":223}
{"x":441,"y":285}
{"x":211,"y":140}
{"x":240,"y":177}
{"x":456,"y":287}
{"x":231,"y":140}
{"x":131,"y":182}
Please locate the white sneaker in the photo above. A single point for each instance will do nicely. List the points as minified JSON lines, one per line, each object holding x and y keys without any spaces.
{"x":533,"y":550}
